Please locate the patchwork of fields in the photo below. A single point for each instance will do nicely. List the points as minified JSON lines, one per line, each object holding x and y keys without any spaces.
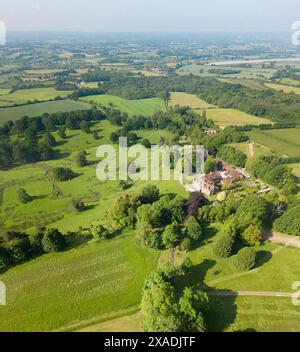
{"x":144,"y":107}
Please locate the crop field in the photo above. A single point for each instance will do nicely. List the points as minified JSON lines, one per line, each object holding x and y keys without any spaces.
{"x":185,"y":99}
{"x":283,"y":88}
{"x":60,"y":291}
{"x":35,"y":94}
{"x":285,"y":142}
{"x":144,"y":107}
{"x":33,"y":110}
{"x":230,"y":117}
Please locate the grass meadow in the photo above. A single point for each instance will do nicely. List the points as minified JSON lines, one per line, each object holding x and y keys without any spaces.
{"x":33,"y":110}
{"x":185,"y":99}
{"x":230,"y":117}
{"x":23,"y":96}
{"x":283,"y":141}
{"x":144,"y":107}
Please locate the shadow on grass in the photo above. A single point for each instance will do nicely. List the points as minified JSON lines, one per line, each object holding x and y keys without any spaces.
{"x":262,"y":257}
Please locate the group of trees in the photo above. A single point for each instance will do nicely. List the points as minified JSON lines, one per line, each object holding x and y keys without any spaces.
{"x":271,"y":170}
{"x":16,"y":247}
{"x":289,"y":222}
{"x":164,"y":311}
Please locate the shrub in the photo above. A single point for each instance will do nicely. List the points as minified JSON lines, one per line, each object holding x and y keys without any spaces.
{"x":19,"y":250}
{"x":99,"y":232}
{"x":5,"y":259}
{"x":149,"y":194}
{"x":36,"y":241}
{"x":78,"y":205}
{"x":223,"y":247}
{"x":53,"y":241}
{"x":23,"y":196}
{"x":245,"y":259}
{"x":61,"y":174}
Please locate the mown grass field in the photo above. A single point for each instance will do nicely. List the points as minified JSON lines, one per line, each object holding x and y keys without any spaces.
{"x":185,"y":99}
{"x":230,"y":117}
{"x":296,"y":169}
{"x":284,"y":141}
{"x":144,"y":107}
{"x":33,"y":110}
{"x":63,"y":291}
{"x":283,"y":88}
{"x":35,"y":94}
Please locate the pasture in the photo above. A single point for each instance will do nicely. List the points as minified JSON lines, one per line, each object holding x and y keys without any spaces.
{"x":285,"y":142}
{"x":23,"y":96}
{"x":233,"y":117}
{"x":185,"y":99}
{"x":144,"y":107}
{"x":38,"y":109}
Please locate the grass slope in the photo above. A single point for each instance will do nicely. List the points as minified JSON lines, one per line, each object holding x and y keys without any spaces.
{"x":87,"y":282}
{"x":282,"y":88}
{"x":144,"y":107}
{"x":284,"y":142}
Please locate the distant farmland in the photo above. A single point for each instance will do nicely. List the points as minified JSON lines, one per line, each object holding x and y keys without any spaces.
{"x":284,"y":142}
{"x":185,"y":99}
{"x":40,"y":94}
{"x":283,"y":88}
{"x":144,"y":107}
{"x":33,"y":110}
{"x":231,"y":117}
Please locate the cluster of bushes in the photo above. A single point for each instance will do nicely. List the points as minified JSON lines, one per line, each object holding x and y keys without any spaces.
{"x":16,"y":248}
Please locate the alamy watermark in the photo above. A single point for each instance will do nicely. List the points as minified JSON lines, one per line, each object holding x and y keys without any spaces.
{"x":296,"y":33}
{"x":141,"y":164}
{"x":2,"y":33}
{"x":296,"y":295}
{"x":2,"y":294}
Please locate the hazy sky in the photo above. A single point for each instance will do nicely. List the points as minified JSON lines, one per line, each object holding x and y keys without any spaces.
{"x":150,"y":15}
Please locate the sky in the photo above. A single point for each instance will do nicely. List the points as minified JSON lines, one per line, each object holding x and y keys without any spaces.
{"x":150,"y":15}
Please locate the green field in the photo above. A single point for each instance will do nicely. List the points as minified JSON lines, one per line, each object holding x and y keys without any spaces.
{"x":249,"y":83}
{"x":185,"y":99}
{"x":230,"y":117}
{"x":284,"y":142}
{"x":35,"y":94}
{"x":144,"y":107}
{"x":33,"y":110}
{"x":59,"y":291}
